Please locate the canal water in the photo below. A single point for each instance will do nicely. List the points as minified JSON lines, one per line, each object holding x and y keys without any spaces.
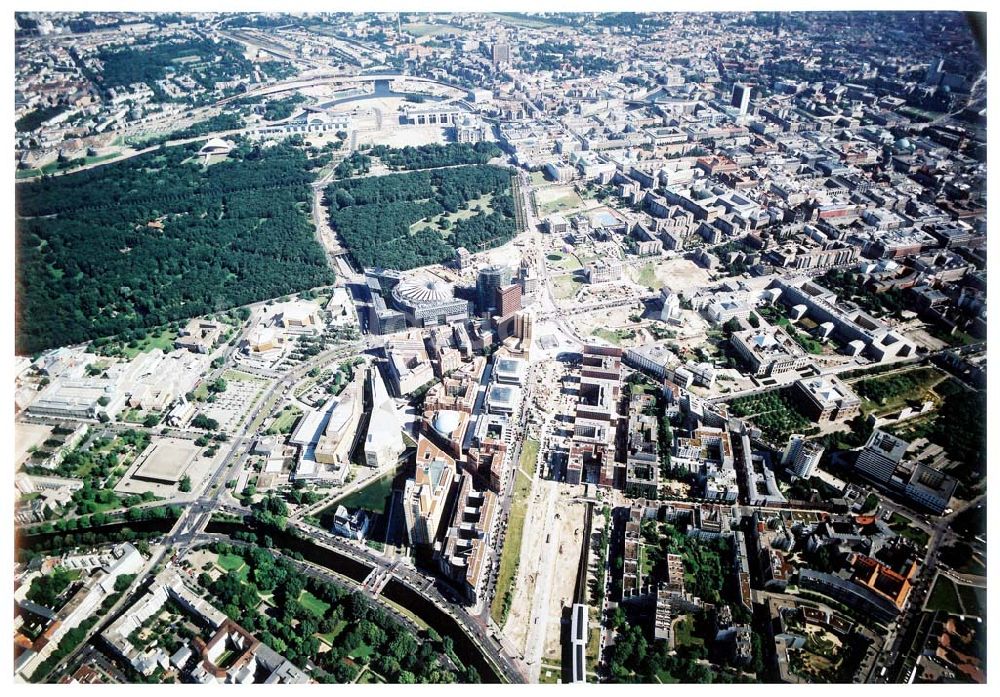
{"x":44,"y":540}
{"x":399,"y":593}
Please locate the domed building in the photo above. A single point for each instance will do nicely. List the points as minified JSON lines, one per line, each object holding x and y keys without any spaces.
{"x":427,"y":301}
{"x":446,"y":421}
{"x":447,"y":429}
{"x":469,"y":130}
{"x":903,"y":145}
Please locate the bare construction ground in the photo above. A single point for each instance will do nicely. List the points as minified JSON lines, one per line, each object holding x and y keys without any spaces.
{"x":533,"y":550}
{"x":398,"y":136}
{"x":557,"y":199}
{"x":683,"y":276}
{"x":27,"y":436}
{"x":547,"y":574}
{"x":203,"y":560}
{"x":922,"y":338}
{"x":568,"y":536}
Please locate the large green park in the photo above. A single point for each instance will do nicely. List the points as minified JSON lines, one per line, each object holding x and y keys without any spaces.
{"x":161,"y":237}
{"x":420,"y":217}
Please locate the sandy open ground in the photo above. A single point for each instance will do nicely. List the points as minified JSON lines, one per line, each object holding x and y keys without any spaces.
{"x":546,"y":577}
{"x":683,"y":276}
{"x":27,"y":436}
{"x":568,"y":535}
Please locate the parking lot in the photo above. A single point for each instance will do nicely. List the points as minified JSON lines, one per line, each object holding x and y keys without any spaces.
{"x":232,"y":406}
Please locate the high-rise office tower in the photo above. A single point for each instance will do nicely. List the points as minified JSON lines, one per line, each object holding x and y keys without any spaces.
{"x":801,"y":456}
{"x":741,"y":97}
{"x":488,"y":282}
{"x":934,"y":71}
{"x":508,"y":300}
{"x":501,"y":51}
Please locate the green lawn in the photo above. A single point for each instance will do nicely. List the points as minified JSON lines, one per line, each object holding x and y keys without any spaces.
{"x":647,"y":277}
{"x":898,"y":519}
{"x":593,"y":639}
{"x":286,"y":420}
{"x":133,"y":416}
{"x":645,"y":563}
{"x":884,"y":395}
{"x":538,"y":178}
{"x":371,"y":498}
{"x":901,"y":526}
{"x":614,"y":336}
{"x":530,"y":22}
{"x":944,"y":596}
{"x":972,"y":565}
{"x":682,"y":633}
{"x":313,"y":604}
{"x":115,"y":502}
{"x":510,"y":556}
{"x":233,"y":562}
{"x":37,"y":171}
{"x":100,"y":158}
{"x":566,"y":286}
{"x":363,"y":651}
{"x":370,"y":677}
{"x":550,"y":675}
{"x":238,"y":376}
{"x":163,"y":340}
{"x":566,"y":262}
{"x":483,"y":201}
{"x":568,"y":201}
{"x":529,"y":456}
{"x":666,"y":678}
{"x":330,"y":636}
{"x":230,"y":562}
{"x":973,"y":599}
{"x":420,"y":29}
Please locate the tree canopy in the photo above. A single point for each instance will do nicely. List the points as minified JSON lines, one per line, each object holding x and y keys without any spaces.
{"x":158,"y":238}
{"x":373,"y":215}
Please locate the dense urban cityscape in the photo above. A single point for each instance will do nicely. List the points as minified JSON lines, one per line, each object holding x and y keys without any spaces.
{"x":500,"y":348}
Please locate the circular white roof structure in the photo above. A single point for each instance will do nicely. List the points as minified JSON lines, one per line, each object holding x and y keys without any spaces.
{"x":446,"y":421}
{"x":417,"y":291}
{"x":216,"y":145}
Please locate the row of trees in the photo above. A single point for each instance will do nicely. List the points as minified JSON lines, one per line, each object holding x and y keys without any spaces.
{"x":882,"y":389}
{"x":418,"y":157}
{"x":52,"y":545}
{"x":436,"y":155}
{"x":155,"y":238}
{"x":213,"y":124}
{"x":34,"y":119}
{"x":773,"y":413}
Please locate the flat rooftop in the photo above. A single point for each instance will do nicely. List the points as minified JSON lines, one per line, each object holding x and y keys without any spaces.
{"x":166,"y":460}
